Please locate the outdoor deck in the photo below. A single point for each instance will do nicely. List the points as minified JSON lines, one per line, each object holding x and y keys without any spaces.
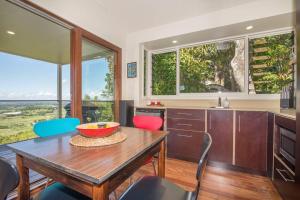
{"x":36,"y":179}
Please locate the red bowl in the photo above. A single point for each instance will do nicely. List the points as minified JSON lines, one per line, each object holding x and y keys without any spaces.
{"x":92,"y":129}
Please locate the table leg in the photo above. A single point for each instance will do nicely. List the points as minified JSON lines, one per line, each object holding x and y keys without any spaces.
{"x":24,"y":185}
{"x":100,"y":192}
{"x":162,"y":159}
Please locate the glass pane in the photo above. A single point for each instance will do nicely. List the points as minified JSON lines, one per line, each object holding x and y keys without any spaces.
{"x":66,"y":93}
{"x":270,"y":63}
{"x":31,"y":49}
{"x":97,"y":83}
{"x":164,"y":73}
{"x":213,"y":67}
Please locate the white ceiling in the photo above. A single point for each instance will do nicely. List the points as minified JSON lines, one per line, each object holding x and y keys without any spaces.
{"x":35,"y":37}
{"x":38,"y":38}
{"x":142,"y":14}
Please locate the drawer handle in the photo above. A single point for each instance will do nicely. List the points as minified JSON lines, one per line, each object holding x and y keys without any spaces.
{"x":184,"y":124}
{"x":182,"y":135}
{"x":239,"y":123}
{"x":184,"y":113}
{"x":283,"y":176}
{"x":209,"y":121}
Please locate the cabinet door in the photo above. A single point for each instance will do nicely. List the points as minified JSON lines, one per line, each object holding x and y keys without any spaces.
{"x":220,"y":127}
{"x":251,"y":140}
{"x":184,"y":145}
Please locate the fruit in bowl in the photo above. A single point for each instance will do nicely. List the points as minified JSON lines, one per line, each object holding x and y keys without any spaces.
{"x":98,"y":129}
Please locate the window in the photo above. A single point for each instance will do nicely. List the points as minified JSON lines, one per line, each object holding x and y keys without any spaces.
{"x":212,"y":67}
{"x":34,"y":72}
{"x":164,"y":73}
{"x":222,"y":67}
{"x":97,"y":83}
{"x":270,"y":63}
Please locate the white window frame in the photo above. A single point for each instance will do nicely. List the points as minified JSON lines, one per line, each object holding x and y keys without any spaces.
{"x":232,"y":95}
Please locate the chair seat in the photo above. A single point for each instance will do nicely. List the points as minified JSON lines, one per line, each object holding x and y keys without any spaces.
{"x":149,"y":160}
{"x":58,"y":191}
{"x":155,"y":188}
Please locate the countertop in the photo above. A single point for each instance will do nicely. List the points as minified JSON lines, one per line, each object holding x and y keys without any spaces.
{"x":289,"y":113}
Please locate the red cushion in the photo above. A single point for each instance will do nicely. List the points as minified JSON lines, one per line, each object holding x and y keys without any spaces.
{"x":151,"y":123}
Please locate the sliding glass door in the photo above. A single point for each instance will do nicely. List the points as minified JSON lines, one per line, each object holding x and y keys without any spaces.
{"x":97,"y":82}
{"x":50,"y":68}
{"x":34,"y":71}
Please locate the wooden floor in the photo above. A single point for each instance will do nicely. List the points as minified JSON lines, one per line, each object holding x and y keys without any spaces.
{"x":218,"y":184}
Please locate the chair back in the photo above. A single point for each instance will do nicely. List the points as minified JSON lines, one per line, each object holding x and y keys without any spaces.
{"x":9,"y":178}
{"x":55,"y":126}
{"x":151,"y":123}
{"x":205,"y":147}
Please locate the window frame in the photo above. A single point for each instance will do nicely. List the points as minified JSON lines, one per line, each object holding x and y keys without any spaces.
{"x":232,"y":95}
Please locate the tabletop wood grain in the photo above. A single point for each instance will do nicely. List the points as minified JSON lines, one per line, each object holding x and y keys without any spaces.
{"x":94,"y":164}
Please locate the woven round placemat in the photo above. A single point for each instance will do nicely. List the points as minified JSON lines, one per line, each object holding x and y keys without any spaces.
{"x":82,"y":141}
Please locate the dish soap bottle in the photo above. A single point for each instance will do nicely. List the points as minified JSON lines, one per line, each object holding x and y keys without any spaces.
{"x":226,"y":103}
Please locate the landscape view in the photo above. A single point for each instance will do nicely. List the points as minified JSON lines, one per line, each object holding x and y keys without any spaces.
{"x":18,"y":117}
{"x":27,"y":98}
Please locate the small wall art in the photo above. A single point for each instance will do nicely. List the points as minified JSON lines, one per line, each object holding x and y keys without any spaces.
{"x":131,"y":70}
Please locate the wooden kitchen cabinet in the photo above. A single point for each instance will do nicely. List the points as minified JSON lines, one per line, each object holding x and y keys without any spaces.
{"x":184,"y":145}
{"x":186,"y":128}
{"x":220,"y":127}
{"x":251,"y":140}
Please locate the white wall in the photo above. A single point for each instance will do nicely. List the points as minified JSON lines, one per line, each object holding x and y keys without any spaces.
{"x":242,"y":13}
{"x":91,"y":16}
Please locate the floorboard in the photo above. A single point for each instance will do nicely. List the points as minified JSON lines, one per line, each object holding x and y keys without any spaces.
{"x":217,"y":183}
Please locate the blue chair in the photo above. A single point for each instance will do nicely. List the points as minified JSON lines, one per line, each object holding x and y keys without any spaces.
{"x":51,"y":128}
{"x":55,"y":126}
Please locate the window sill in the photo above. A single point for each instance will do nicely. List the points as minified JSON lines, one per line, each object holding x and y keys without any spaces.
{"x":213,"y":96}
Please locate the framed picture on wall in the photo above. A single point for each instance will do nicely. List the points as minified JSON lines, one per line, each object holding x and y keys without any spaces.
{"x":131,"y":70}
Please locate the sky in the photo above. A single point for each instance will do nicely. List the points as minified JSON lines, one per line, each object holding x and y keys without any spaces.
{"x":28,"y":79}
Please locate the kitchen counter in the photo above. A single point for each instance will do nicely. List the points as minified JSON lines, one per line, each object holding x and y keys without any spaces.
{"x":290,"y":113}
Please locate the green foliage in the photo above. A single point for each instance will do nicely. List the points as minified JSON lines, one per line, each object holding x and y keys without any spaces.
{"x":196,"y":68}
{"x":19,"y":127}
{"x":204,"y":65}
{"x":164,"y":73}
{"x":26,"y":135}
{"x":108,"y":91}
{"x":279,"y":70}
{"x":203,"y":68}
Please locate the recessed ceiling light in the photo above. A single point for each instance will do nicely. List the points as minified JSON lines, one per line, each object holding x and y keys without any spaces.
{"x":10,"y":32}
{"x":249,"y":27}
{"x":174,"y":41}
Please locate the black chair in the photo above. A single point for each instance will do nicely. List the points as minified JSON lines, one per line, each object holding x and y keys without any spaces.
{"x":9,"y":180}
{"x":156,"y":188}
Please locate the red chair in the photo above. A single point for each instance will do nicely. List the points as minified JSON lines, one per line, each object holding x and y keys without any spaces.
{"x":151,"y":123}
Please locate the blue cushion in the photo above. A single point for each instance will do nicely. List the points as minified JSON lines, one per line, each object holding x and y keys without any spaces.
{"x":58,"y":191}
{"x":55,"y":126}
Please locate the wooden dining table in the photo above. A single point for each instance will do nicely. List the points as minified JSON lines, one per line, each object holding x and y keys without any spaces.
{"x":92,"y":171}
